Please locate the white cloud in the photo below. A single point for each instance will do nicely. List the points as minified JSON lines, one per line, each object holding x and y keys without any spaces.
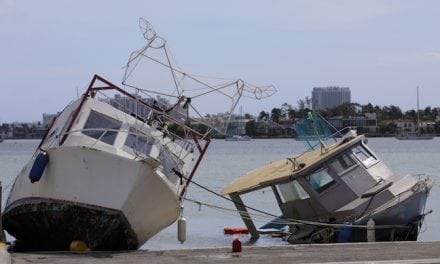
{"x":335,"y":14}
{"x":432,"y":56}
{"x":6,"y":6}
{"x":415,"y":59}
{"x":290,"y":14}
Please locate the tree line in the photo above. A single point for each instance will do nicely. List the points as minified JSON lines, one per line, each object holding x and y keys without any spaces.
{"x":391,"y":112}
{"x":386,"y":115}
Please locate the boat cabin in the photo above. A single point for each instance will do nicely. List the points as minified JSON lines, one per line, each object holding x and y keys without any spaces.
{"x":102,"y":124}
{"x":325,"y":185}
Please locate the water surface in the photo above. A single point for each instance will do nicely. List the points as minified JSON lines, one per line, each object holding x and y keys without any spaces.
{"x":226,"y":161}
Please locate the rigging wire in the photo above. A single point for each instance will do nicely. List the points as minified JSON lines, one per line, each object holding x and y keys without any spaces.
{"x":286,"y":221}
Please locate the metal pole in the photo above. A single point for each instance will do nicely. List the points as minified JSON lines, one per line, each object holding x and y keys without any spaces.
{"x":2,"y":233}
{"x":418,"y":115}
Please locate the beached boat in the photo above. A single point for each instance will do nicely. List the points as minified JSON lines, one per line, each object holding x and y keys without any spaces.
{"x":337,"y":191}
{"x":114,"y":165}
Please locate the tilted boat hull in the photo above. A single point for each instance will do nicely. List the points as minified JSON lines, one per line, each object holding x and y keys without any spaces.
{"x":329,"y":194}
{"x":405,"y":214}
{"x":108,"y":201}
{"x":44,"y":224}
{"x":397,"y":220}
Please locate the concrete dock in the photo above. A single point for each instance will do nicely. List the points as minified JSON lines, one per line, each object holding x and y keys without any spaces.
{"x":396,"y":252}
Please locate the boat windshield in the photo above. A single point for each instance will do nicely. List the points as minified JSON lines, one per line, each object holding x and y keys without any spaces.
{"x":320,"y":180}
{"x":102,"y":127}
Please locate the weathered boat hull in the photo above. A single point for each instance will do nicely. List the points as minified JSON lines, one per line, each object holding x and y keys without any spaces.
{"x":108,"y":201}
{"x":396,"y":220}
{"x":44,"y":224}
{"x":406,"y":215}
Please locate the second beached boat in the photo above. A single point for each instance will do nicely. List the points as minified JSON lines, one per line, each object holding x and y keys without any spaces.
{"x":337,"y":191}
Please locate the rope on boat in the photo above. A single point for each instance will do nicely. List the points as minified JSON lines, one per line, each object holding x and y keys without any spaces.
{"x":288,"y":221}
{"x":263,"y":215}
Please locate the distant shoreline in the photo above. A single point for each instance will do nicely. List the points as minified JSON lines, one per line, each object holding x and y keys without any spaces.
{"x":253,"y":137}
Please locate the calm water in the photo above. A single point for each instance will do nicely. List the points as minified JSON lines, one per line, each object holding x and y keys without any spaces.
{"x":226,"y":161}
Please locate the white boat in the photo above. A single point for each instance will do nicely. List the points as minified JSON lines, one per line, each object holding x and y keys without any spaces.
{"x":337,"y":191}
{"x":417,"y":135}
{"x":238,"y":138}
{"x":240,"y":135}
{"x":113,"y":167}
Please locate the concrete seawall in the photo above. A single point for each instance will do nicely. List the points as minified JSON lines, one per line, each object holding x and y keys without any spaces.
{"x":395,"y":252}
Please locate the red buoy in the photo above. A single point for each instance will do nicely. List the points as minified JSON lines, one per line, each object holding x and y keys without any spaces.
{"x":236,"y":245}
{"x":235,"y":230}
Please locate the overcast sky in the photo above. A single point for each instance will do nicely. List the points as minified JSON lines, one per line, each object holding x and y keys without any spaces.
{"x":382,"y":50}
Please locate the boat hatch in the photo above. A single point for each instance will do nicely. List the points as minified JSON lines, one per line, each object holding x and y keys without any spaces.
{"x":364,"y":155}
{"x":102,"y":127}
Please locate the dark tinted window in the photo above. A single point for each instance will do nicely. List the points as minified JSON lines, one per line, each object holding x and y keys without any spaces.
{"x":100,"y":126}
{"x":139,"y":141}
{"x":320,"y":180}
{"x":342,"y":163}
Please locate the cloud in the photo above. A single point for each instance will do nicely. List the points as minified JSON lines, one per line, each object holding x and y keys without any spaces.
{"x":285,"y":14}
{"x":6,"y":6}
{"x":415,"y":59}
{"x":336,"y":14}
{"x":432,"y":56}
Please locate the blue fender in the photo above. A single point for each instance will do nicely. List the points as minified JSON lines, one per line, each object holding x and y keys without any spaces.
{"x":37,"y":169}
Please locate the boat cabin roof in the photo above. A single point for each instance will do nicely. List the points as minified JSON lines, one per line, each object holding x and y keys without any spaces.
{"x":289,"y":168}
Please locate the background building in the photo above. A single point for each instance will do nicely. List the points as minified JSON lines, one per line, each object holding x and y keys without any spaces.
{"x":48,"y":118}
{"x":364,"y":124}
{"x":330,"y":97}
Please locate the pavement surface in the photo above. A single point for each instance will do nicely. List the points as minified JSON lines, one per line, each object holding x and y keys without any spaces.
{"x":390,"y":252}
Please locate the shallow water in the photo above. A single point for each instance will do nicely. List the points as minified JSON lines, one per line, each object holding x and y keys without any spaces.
{"x":226,"y":161}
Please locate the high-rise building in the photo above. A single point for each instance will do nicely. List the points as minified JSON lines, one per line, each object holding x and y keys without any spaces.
{"x":48,"y":118}
{"x":330,"y":97}
{"x":131,"y":106}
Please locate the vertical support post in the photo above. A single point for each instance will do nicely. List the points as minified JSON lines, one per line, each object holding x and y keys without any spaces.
{"x":244,"y":215}
{"x":371,"y":231}
{"x":2,"y":233}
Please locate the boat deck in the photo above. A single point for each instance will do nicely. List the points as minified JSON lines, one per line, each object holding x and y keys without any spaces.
{"x":391,"y":252}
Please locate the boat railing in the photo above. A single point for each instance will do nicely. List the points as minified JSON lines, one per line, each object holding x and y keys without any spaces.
{"x":199,"y":139}
{"x":294,"y":160}
{"x":333,"y":137}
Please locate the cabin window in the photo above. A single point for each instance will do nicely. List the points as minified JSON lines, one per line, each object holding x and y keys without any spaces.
{"x":291,"y":191}
{"x":102,"y":127}
{"x":139,"y":141}
{"x":364,"y":155}
{"x":342,"y":163}
{"x":320,"y":180}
